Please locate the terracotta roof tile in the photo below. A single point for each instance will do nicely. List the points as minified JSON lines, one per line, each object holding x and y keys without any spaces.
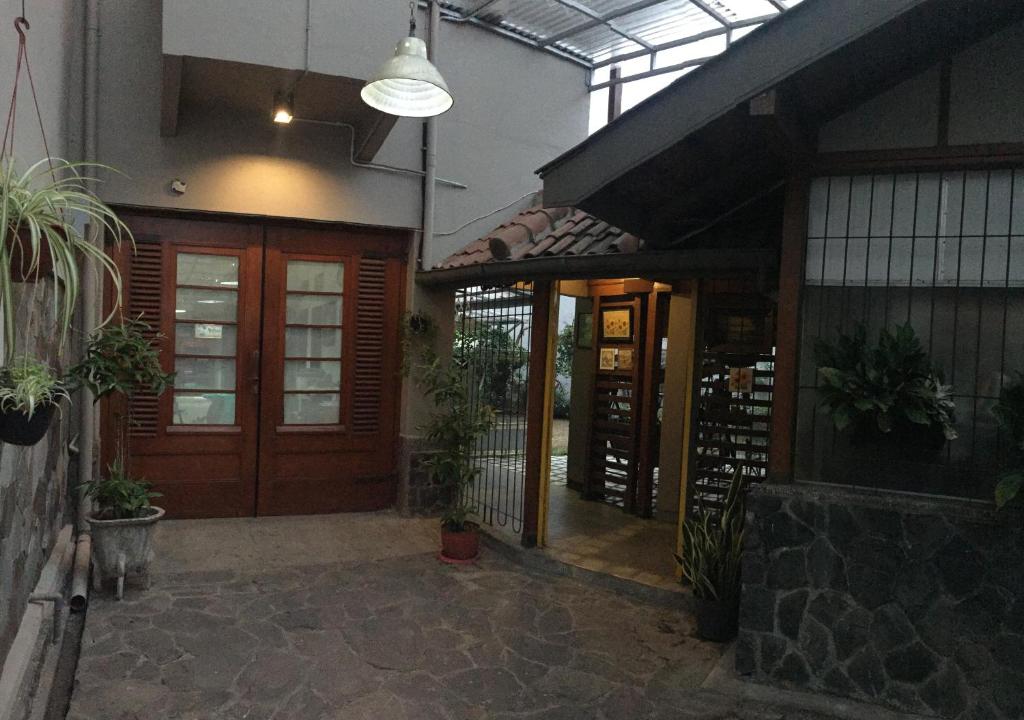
{"x":544,"y":232}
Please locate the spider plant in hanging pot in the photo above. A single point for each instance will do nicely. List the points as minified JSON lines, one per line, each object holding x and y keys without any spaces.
{"x":38,"y":211}
{"x":30,"y":394}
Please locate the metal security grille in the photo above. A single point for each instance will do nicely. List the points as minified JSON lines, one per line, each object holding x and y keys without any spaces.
{"x":943,"y":252}
{"x":492,"y":341}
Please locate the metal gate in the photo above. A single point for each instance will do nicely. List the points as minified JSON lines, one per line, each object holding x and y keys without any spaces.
{"x":492,"y":341}
{"x":733,"y":421}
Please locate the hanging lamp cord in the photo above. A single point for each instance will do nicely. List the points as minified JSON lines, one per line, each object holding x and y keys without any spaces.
{"x":412,"y":19}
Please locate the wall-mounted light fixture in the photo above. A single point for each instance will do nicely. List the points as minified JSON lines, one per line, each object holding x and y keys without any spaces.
{"x":284,"y":108}
{"x":408,"y":84}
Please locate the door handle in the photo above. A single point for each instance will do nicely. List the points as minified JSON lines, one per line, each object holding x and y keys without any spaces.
{"x":254,"y":371}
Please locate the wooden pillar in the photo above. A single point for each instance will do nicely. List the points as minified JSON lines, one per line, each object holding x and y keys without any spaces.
{"x":787,"y":339}
{"x":651,"y":340}
{"x":538,"y":412}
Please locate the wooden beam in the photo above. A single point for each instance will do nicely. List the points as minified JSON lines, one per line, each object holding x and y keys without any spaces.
{"x":536,"y":412}
{"x":370,"y":137}
{"x":787,"y":339}
{"x":170,"y":95}
{"x":648,"y":421}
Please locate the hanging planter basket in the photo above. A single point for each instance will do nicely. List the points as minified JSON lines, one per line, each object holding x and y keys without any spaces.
{"x":20,"y":253}
{"x":17,"y":428}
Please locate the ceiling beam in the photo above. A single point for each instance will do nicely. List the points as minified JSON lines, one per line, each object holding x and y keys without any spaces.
{"x":583,"y":9}
{"x":602,"y":20}
{"x":722,"y":19}
{"x":479,"y":9}
{"x":779,"y":5}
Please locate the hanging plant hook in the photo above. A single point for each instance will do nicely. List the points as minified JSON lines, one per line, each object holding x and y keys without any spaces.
{"x":21,"y":25}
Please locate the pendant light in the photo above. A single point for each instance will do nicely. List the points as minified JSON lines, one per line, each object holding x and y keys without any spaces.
{"x":408,"y":85}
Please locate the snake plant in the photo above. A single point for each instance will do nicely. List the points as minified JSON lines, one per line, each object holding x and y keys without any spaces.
{"x":41,"y":206}
{"x":713,"y":546}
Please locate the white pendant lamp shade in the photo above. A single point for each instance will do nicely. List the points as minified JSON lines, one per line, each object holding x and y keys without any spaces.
{"x":408,"y":84}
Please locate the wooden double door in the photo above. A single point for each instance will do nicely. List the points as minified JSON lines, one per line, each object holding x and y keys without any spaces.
{"x":285,"y":342}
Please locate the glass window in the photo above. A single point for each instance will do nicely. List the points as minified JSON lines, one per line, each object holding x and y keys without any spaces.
{"x":312,"y":342}
{"x":205,"y":339}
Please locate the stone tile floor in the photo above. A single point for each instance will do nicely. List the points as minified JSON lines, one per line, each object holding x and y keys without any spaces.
{"x":401,"y":636}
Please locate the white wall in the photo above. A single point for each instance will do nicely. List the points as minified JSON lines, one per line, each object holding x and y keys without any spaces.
{"x":515,"y":109}
{"x":986,"y":96}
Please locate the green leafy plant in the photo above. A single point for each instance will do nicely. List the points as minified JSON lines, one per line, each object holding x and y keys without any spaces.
{"x":122,"y":358}
{"x":1010,"y":413}
{"x":884,"y":386}
{"x":27,"y":384}
{"x":565,"y":350}
{"x":454,"y":426}
{"x":118,"y":496}
{"x":495,"y":355}
{"x":713,"y":546}
{"x":40,"y":207}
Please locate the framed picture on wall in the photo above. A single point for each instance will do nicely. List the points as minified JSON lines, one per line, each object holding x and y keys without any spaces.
{"x":607,"y":358}
{"x":585,"y":330}
{"x":626,"y":359}
{"x":617,"y":324}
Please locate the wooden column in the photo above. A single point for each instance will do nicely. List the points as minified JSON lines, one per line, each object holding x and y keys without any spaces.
{"x":538,"y":411}
{"x":787,"y":339}
{"x":651,"y":340}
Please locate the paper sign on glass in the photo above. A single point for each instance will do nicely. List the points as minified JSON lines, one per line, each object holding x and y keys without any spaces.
{"x":209,"y":332}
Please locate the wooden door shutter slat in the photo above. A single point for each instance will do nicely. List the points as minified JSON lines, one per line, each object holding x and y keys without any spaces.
{"x":369,"y":346}
{"x":144,"y":299}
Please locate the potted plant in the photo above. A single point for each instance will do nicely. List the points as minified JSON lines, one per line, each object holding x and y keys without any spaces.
{"x":710,"y":562}
{"x":30,"y":393}
{"x":889,"y":391}
{"x":38,"y":211}
{"x":122,"y":358}
{"x":452,"y":432}
{"x":1010,"y":413}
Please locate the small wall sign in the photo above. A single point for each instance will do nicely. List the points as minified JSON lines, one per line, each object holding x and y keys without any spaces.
{"x":626,"y":359}
{"x":741,"y":380}
{"x":209,"y":332}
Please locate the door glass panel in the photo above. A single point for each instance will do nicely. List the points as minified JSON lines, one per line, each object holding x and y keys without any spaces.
{"x":204,"y":374}
{"x":314,"y":309}
{"x":312,"y":375}
{"x":208,"y":270}
{"x":197,"y":304}
{"x":204,"y":408}
{"x":312,"y":342}
{"x":205,"y":339}
{"x":206,"y":348}
{"x":311,"y":408}
{"x":315,"y":276}
{"x":313,"y":332}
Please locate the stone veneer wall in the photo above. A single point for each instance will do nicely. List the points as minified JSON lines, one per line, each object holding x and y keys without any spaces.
{"x":904,"y":601}
{"x":33,"y":483}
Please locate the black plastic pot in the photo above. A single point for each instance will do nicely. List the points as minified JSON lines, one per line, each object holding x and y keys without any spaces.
{"x":717,"y":621}
{"x":17,"y":428}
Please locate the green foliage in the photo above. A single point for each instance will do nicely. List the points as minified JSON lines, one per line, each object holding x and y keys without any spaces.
{"x":118,"y":496}
{"x":1010,"y":413}
{"x":27,"y":384}
{"x":561,"y":401}
{"x":565,"y":350}
{"x":495,"y":355}
{"x":713,"y":546}
{"x":454,"y":426}
{"x":38,"y":207}
{"x":120,"y":358}
{"x":884,"y":386}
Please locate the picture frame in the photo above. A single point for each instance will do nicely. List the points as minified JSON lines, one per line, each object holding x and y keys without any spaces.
{"x":617,"y":324}
{"x":625,"y":359}
{"x":585,"y":331}
{"x":607,"y":359}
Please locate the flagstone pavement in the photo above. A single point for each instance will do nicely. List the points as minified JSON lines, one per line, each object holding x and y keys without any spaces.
{"x":398,"y":635}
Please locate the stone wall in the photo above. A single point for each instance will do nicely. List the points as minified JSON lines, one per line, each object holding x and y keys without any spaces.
{"x":908,"y":602}
{"x":33,"y":480}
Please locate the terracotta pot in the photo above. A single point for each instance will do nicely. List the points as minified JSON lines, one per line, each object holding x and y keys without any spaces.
{"x":464,"y":545}
{"x":21,"y":259}
{"x":122,"y":548}
{"x":716,"y":620}
{"x":17,"y":428}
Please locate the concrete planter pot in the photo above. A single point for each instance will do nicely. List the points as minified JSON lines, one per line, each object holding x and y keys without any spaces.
{"x":122,"y":549}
